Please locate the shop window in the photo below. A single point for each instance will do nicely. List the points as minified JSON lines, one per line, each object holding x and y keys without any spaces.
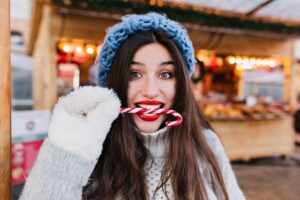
{"x":264,"y":83}
{"x":21,"y":81}
{"x":239,"y":87}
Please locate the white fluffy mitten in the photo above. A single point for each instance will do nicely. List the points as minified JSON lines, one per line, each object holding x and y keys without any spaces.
{"x":82,"y":119}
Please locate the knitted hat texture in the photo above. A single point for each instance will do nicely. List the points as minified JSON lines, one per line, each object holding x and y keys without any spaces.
{"x":136,"y":23}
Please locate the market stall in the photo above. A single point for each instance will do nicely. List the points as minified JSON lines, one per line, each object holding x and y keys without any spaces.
{"x":247,"y":101}
{"x":70,"y":42}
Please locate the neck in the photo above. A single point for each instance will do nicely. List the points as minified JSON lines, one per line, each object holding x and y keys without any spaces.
{"x":155,"y":142}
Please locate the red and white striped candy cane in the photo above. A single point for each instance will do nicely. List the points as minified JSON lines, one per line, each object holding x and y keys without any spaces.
{"x":156,"y":111}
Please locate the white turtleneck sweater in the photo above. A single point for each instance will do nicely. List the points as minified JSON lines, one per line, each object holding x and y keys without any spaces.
{"x":156,"y":143}
{"x":58,"y":174}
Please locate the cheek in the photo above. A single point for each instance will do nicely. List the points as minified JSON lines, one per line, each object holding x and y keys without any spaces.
{"x":131,"y":93}
{"x":170,"y":91}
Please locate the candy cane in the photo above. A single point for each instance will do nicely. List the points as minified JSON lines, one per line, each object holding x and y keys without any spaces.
{"x":156,"y":111}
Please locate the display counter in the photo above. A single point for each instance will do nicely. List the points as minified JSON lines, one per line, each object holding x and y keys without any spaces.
{"x":248,"y":139}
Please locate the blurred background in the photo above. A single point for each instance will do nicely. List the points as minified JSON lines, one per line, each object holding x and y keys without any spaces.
{"x":247,"y":77}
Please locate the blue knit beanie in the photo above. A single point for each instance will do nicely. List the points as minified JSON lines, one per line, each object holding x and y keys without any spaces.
{"x":147,"y":22}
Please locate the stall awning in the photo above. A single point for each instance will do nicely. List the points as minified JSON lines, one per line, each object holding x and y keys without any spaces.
{"x":277,"y":19}
{"x":270,"y":16}
{"x":285,"y":11}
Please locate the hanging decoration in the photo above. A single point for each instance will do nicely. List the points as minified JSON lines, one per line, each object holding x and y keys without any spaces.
{"x":210,"y":60}
{"x":76,"y":51}
{"x":182,"y":13}
{"x":251,"y":63}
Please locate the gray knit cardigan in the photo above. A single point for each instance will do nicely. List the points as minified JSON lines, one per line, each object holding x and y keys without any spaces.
{"x":61,"y":175}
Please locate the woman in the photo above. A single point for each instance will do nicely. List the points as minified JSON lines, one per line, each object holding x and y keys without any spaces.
{"x":146,"y":60}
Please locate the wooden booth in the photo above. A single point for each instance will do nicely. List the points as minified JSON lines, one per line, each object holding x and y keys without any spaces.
{"x":58,"y":34}
{"x":238,"y":67}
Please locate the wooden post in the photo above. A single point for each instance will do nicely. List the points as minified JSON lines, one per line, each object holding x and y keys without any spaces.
{"x":5,"y":102}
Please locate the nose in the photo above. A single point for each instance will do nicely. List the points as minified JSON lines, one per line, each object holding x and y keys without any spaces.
{"x":150,"y":88}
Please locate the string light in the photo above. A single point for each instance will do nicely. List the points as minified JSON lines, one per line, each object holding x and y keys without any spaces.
{"x":90,"y":49}
{"x":246,"y":61}
{"x":250,"y":63}
{"x":201,"y":57}
{"x":66,"y":48}
{"x":152,"y":2}
{"x":258,"y":62}
{"x":272,"y":63}
{"x":79,"y":49}
{"x":160,"y":3}
{"x":265,"y":62}
{"x":231,"y":60}
{"x":239,"y":61}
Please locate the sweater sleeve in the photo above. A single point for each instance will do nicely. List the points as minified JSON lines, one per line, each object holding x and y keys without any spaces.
{"x":57,"y":174}
{"x":233,"y":189}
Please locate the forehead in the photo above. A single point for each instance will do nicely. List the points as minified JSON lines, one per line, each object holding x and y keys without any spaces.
{"x":152,"y":53}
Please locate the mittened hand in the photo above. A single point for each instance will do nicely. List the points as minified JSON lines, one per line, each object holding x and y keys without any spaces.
{"x":82,"y":119}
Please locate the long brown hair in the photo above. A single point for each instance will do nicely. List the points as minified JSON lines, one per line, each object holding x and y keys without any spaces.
{"x":119,"y":171}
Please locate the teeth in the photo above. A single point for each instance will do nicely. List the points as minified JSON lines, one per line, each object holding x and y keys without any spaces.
{"x":148,"y":106}
{"x":149,"y":114}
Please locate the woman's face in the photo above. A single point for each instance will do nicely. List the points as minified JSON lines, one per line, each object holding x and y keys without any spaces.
{"x":152,"y":84}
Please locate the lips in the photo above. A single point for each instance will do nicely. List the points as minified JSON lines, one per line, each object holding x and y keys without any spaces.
{"x":149,"y":104}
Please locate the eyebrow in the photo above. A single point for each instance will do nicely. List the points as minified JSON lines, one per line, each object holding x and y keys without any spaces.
{"x":161,"y":64}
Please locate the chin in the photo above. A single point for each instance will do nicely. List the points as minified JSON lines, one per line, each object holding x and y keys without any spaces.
{"x":147,"y":127}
